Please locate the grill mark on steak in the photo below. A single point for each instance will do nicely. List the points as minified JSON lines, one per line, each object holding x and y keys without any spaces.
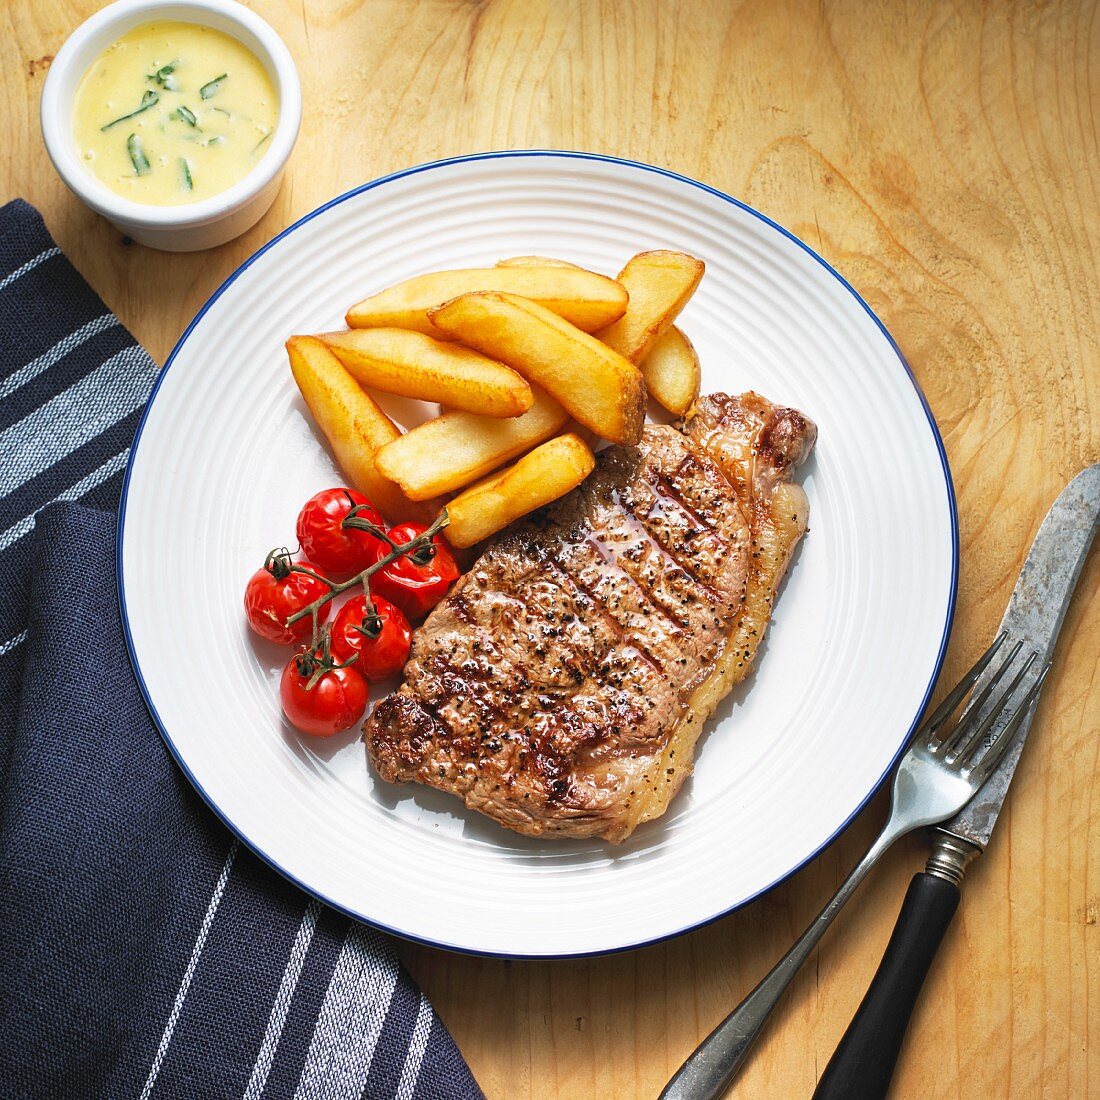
{"x":602,"y":569}
{"x":679,"y":566}
{"x":552,"y":689}
{"x":627,"y":602}
{"x":587,"y":657}
{"x":593,"y":608}
{"x":698,"y":524}
{"x":646,"y":506}
{"x":618,"y":666}
{"x":667,"y":585}
{"x":633,"y":556}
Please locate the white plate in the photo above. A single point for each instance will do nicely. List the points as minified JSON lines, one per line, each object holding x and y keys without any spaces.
{"x":226,"y":455}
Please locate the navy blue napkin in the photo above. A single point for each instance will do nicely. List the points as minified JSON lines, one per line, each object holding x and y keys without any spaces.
{"x":143,"y":951}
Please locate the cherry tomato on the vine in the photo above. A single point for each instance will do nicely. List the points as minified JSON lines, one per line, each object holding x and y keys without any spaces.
{"x":382,"y":640}
{"x":416,"y":582}
{"x":272,"y":595}
{"x":340,"y":551}
{"x":335,"y":702}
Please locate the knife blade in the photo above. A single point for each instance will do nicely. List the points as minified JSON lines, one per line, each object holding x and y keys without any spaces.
{"x":1034,"y":616}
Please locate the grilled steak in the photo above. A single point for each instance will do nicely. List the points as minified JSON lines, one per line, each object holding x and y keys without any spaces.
{"x":561,"y":687}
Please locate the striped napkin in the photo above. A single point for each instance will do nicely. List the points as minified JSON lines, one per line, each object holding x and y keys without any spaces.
{"x":145,"y":952}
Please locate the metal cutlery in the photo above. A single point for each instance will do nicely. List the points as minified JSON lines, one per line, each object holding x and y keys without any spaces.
{"x":863,"y":1063}
{"x":939,"y":776}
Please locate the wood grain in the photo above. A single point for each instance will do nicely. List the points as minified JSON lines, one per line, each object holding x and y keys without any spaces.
{"x":946,"y":157}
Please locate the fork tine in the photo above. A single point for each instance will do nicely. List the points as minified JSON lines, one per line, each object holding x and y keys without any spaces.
{"x":974,"y":706}
{"x":956,"y":695}
{"x":975,"y":735}
{"x":981,"y":771}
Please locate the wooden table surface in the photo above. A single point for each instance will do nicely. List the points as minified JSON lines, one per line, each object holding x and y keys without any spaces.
{"x":946,"y":158}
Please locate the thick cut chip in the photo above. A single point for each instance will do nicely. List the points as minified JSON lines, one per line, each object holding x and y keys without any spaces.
{"x":354,"y":425}
{"x":600,"y":388}
{"x":411,"y":364}
{"x":535,"y":261}
{"x":454,"y":449}
{"x":660,"y":284}
{"x":585,"y":299}
{"x":671,"y":372}
{"x":541,"y":476}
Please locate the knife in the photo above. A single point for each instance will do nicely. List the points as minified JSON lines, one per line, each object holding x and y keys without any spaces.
{"x":863,"y":1063}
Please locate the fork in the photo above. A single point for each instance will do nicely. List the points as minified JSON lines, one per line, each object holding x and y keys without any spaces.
{"x":940,"y":772}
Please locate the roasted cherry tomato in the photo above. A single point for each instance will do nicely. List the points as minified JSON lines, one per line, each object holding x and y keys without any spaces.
{"x":416,"y":582}
{"x":340,"y":551}
{"x":335,"y":702}
{"x":273,"y":594}
{"x":382,"y":640}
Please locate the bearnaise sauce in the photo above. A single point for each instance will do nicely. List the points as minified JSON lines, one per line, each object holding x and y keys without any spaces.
{"x":174,"y":113}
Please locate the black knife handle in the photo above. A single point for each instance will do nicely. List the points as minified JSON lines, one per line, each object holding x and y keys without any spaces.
{"x":863,"y":1063}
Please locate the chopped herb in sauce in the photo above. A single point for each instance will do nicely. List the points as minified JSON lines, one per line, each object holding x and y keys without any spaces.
{"x":212,"y":87}
{"x":163,"y":76}
{"x":137,"y":155}
{"x":150,"y":99}
{"x":188,"y":183}
{"x":184,"y":115}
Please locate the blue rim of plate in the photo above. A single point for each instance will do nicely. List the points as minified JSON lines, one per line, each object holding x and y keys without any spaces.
{"x":568,"y":155}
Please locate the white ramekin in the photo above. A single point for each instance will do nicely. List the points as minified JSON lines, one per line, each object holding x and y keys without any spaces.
{"x":191,"y":226}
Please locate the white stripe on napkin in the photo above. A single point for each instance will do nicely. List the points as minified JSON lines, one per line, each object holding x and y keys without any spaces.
{"x":29,"y":265}
{"x":282,"y":1002}
{"x":74,"y":492}
{"x":72,"y":418}
{"x":185,"y":984}
{"x":350,"y":1021}
{"x":14,"y":643}
{"x":417,"y":1045}
{"x":62,"y":348}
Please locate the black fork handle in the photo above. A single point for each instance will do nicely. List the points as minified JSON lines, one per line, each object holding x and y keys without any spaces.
{"x":863,"y":1064}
